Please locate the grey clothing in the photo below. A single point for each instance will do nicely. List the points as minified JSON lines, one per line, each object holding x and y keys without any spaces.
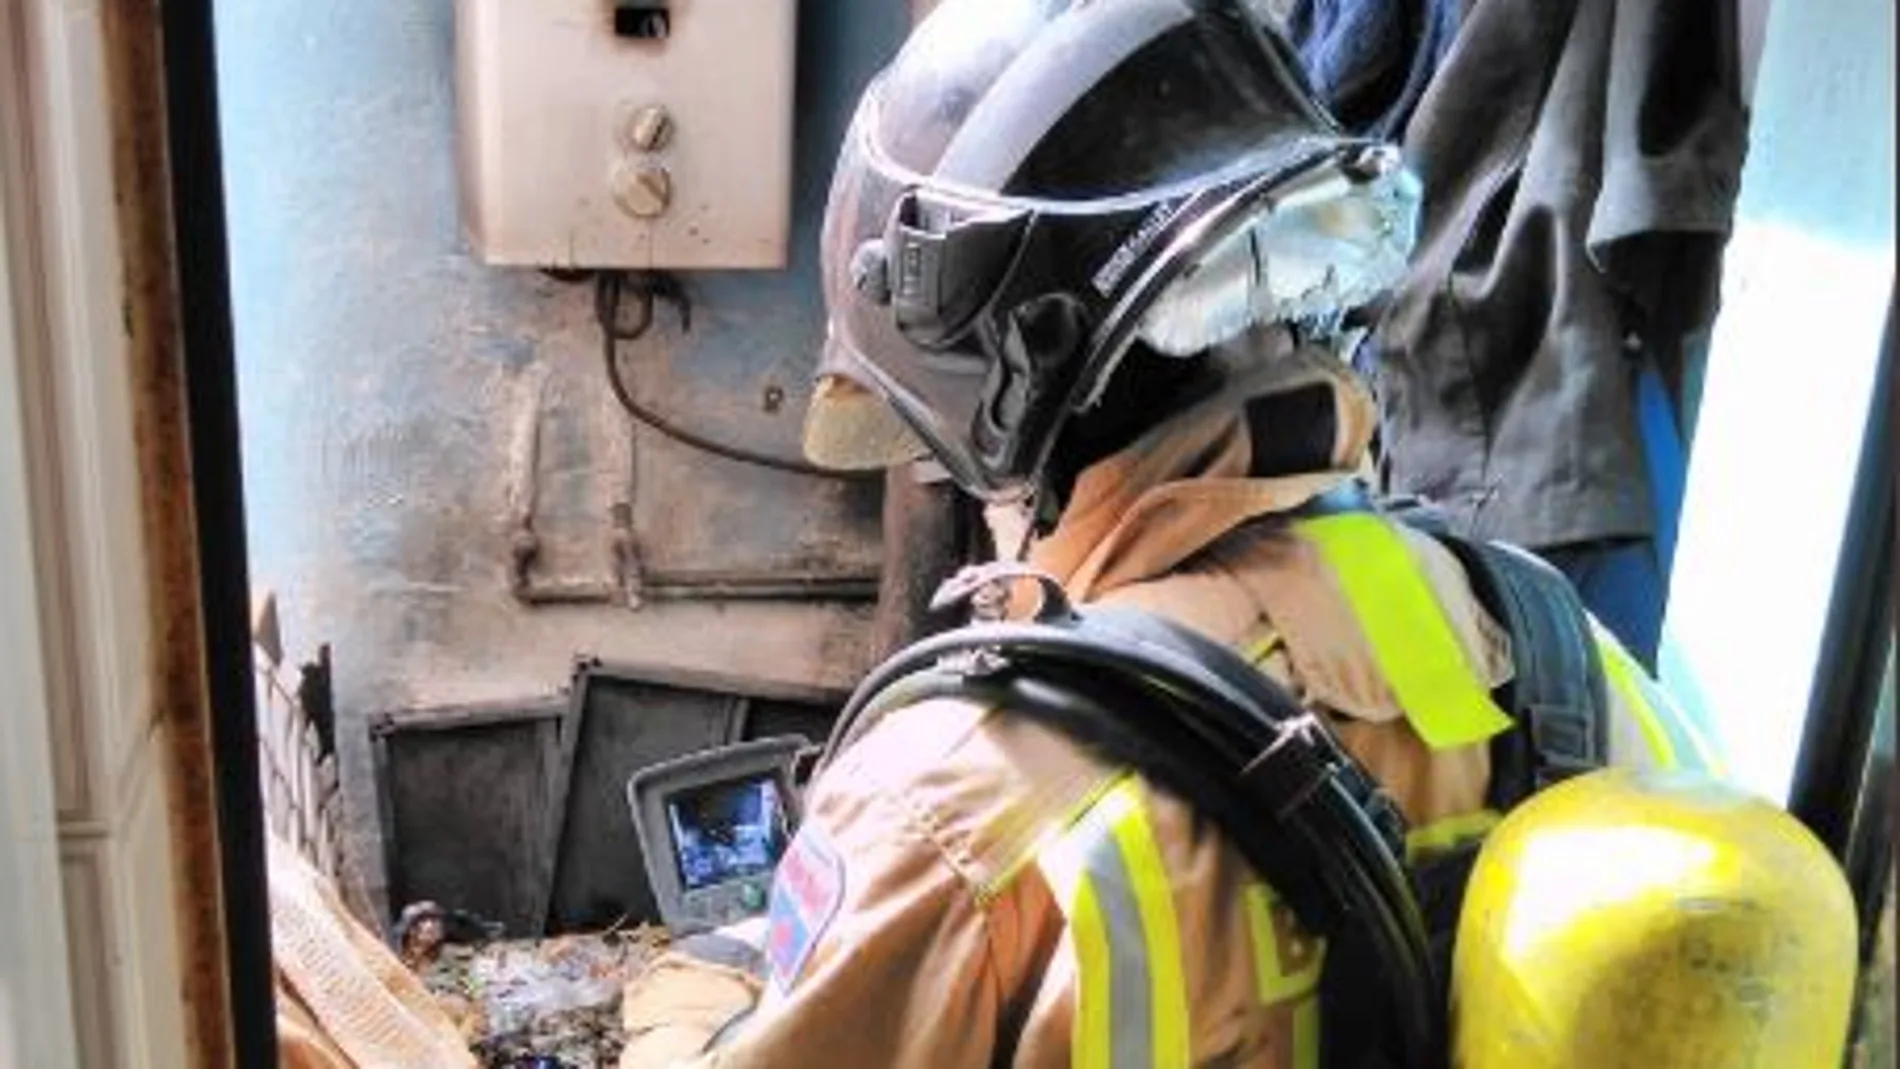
{"x":1580,"y":160}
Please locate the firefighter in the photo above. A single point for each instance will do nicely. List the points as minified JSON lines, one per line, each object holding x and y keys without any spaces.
{"x":1098,"y":260}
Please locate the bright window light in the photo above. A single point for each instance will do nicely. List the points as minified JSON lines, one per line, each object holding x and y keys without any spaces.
{"x":1806,"y":291}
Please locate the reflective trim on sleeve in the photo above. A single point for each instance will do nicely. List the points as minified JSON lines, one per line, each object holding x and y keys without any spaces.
{"x":1036,"y":839}
{"x":1412,"y":641}
{"x":1154,"y":897}
{"x":1095,"y":1007}
{"x":1673,"y":738}
{"x":1108,"y":877}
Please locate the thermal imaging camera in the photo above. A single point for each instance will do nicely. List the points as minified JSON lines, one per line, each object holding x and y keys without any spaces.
{"x":713,"y":826}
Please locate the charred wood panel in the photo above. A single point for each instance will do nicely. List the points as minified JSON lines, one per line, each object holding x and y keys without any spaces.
{"x":465,"y":794}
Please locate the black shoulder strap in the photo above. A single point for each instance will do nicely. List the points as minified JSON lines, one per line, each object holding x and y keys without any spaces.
{"x":1244,"y":753}
{"x":1558,"y":702}
{"x":1558,"y":694}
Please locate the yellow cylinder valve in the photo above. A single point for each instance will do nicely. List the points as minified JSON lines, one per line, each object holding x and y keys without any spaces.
{"x":1642,"y":920}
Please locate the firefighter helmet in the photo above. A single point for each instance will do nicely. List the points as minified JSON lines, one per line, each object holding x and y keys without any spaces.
{"x":1034,"y":186}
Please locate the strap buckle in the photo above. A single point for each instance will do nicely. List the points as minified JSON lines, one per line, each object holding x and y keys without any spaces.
{"x":1293,"y":767}
{"x":985,"y":589}
{"x":1562,"y":744}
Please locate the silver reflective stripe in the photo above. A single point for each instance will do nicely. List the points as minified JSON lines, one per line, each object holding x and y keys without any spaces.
{"x":1130,"y":979}
{"x":1131,"y":999}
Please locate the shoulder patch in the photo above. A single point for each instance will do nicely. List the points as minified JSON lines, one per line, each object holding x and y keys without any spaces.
{"x":806,"y":893}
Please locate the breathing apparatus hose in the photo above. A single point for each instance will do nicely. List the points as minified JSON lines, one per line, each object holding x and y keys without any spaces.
{"x":1198,"y":721}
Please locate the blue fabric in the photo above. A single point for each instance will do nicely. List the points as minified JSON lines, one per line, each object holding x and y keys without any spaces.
{"x":1625,"y":583}
{"x":1666,"y":460}
{"x":1369,"y":61}
{"x":1621,"y":583}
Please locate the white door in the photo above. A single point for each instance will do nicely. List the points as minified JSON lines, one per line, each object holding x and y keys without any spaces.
{"x":89,"y":962}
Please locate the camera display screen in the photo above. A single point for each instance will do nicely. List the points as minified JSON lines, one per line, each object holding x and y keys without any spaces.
{"x":727,"y":831}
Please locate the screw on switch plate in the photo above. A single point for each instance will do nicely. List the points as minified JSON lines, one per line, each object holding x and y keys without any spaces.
{"x":643,"y":190}
{"x":647,"y":128}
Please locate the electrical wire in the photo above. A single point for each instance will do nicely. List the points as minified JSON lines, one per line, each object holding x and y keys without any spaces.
{"x":609,"y":290}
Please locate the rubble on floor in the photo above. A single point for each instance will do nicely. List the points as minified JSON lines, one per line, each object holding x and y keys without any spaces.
{"x":553,"y":998}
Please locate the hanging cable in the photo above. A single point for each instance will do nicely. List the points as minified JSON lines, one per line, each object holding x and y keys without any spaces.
{"x":610,"y":289}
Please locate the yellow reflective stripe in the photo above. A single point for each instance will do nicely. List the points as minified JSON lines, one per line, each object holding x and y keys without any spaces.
{"x":1266,"y":954}
{"x":1672,"y":735}
{"x":1621,"y":672}
{"x":1062,"y":864}
{"x":1107,"y":876}
{"x":1412,"y":641}
{"x":1277,"y":980}
{"x":1306,"y":1033}
{"x":1262,"y":648}
{"x":1154,"y":898}
{"x":1094,"y":1016}
{"x":1016,"y":860}
{"x":1451,"y":831}
{"x":1682,"y":727}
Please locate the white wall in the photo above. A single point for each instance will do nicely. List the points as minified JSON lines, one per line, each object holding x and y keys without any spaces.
{"x":385,"y":376}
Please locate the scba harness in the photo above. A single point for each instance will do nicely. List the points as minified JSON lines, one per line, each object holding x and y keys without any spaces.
{"x":1310,"y":820}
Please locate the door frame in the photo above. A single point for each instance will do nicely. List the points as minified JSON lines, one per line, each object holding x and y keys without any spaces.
{"x":203,"y":366}
{"x":119,"y":480}
{"x":36,"y":1012}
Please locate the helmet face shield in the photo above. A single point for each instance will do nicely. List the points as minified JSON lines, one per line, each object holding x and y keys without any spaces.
{"x":1034,"y":184}
{"x":1321,"y":244}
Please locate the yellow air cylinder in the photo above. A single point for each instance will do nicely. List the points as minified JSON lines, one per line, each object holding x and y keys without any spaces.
{"x":1643,"y":920}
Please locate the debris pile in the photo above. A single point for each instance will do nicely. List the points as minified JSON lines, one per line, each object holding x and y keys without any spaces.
{"x":523,"y":1002}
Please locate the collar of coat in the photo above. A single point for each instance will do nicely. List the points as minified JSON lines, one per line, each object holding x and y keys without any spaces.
{"x":1141,"y":512}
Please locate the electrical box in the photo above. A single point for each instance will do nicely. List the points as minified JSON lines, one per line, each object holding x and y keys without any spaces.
{"x":616,"y":134}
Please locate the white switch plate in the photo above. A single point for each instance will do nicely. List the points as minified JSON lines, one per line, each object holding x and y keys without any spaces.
{"x":544,"y":93}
